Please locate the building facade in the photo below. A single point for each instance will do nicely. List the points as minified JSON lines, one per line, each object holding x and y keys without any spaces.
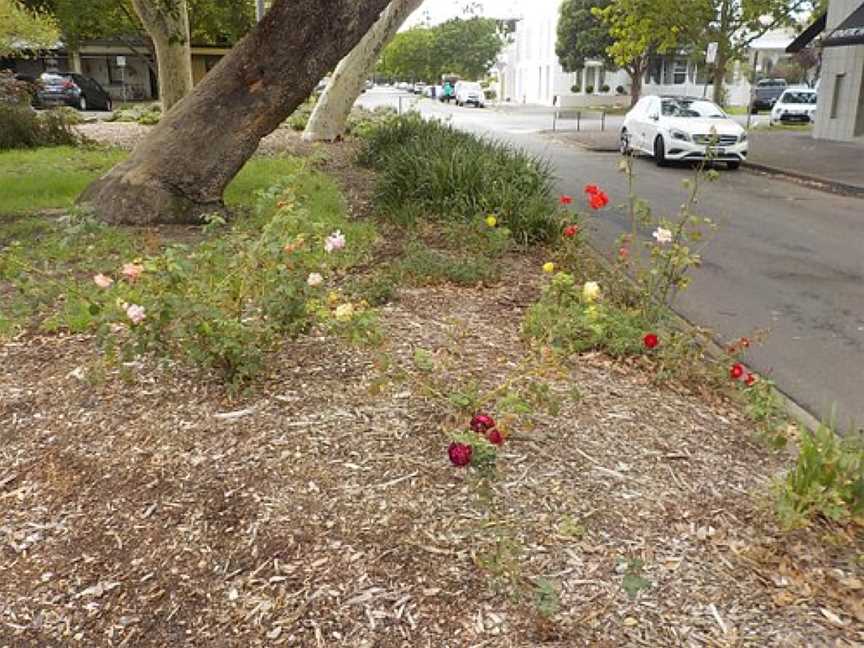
{"x":840,"y":110}
{"x":530,"y":72}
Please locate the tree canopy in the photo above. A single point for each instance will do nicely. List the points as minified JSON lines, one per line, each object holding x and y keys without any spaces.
{"x":23,"y":28}
{"x":582,"y":35}
{"x":467,"y":47}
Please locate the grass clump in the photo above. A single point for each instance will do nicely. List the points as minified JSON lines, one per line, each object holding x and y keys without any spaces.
{"x":24,"y":128}
{"x":827,"y":479}
{"x":430,"y":167}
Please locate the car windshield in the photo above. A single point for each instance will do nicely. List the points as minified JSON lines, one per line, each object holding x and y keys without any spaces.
{"x":52,"y":79}
{"x":691,"y":108}
{"x":472,"y":87}
{"x":798,"y":98}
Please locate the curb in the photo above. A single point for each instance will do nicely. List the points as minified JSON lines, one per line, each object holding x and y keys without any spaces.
{"x":792,"y":408}
{"x":814,"y":181}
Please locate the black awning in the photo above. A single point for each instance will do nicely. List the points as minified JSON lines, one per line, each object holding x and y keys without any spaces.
{"x":850,"y":31}
{"x":807,"y":36}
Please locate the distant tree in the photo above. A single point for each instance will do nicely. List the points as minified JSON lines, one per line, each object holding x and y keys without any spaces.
{"x":220,"y":22}
{"x":22,"y":28}
{"x":640,"y":28}
{"x":469,"y":47}
{"x":582,"y":35}
{"x":410,"y":55}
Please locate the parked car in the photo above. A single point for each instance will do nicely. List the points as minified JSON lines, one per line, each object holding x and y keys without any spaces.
{"x":470,"y":92}
{"x":69,"y":89}
{"x":795,"y":105}
{"x":766,"y":93}
{"x":419,"y":88}
{"x":683,"y":128}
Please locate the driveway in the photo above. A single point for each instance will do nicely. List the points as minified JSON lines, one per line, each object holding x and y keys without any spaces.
{"x":787,"y":257}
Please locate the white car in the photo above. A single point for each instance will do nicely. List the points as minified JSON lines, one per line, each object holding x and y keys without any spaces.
{"x":469,"y":92}
{"x":683,"y":128}
{"x":795,"y":105}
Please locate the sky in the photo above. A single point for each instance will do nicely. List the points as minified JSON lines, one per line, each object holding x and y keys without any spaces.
{"x":440,"y":10}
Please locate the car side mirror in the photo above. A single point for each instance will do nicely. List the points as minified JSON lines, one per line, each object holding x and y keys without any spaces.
{"x":654,"y":116}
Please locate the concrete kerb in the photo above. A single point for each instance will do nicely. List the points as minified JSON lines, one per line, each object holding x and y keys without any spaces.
{"x":793,"y":410}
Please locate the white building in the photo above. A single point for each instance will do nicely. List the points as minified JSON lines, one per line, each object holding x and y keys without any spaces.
{"x":530,"y":72}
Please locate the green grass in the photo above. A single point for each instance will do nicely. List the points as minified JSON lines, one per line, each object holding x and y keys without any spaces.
{"x":51,"y":178}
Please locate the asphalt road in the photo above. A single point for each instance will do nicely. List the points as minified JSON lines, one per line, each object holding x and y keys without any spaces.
{"x":786,"y":258}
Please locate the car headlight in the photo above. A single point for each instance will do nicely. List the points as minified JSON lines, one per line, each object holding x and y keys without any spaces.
{"x":679,"y":135}
{"x":742,"y":137}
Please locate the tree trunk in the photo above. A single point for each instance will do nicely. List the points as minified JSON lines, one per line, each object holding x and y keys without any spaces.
{"x":178,"y":173}
{"x":331,"y":113}
{"x":636,"y":72}
{"x":722,"y":53}
{"x":167,"y":24}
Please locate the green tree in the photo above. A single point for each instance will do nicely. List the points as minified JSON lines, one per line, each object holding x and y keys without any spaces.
{"x":582,"y":35}
{"x":467,"y":47}
{"x":640,"y":28}
{"x":22,"y":28}
{"x":410,"y":55}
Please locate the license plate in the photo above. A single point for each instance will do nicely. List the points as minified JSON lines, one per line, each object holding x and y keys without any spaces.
{"x":716,"y":151}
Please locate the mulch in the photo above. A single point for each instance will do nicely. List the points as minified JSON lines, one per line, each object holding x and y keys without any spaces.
{"x":142,"y":505}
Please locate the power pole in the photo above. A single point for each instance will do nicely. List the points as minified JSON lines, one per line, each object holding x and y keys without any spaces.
{"x":259,"y":9}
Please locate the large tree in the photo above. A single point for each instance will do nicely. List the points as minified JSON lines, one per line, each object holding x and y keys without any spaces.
{"x":167,"y":24}
{"x":25,"y":29}
{"x":581,"y":34}
{"x":334,"y":106}
{"x":409,"y":55}
{"x":640,"y":28}
{"x":179,"y":172}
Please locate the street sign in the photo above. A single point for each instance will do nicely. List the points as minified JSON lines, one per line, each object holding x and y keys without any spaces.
{"x":711,"y":53}
{"x":121,"y":61}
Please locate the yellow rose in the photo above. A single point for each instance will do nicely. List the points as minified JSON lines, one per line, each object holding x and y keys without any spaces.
{"x":332,"y":298}
{"x":590,"y":291}
{"x":491,"y":221}
{"x":344,"y":312}
{"x":548,"y":267}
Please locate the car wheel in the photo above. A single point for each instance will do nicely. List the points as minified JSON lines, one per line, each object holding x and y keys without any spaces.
{"x":660,"y":152}
{"x":82,"y":103}
{"x":624,"y":143}
{"x":733,"y":166}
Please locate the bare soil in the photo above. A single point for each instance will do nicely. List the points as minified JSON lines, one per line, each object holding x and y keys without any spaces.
{"x":141,"y":505}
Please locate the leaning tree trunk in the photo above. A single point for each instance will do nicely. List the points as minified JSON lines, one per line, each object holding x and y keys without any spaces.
{"x":636,"y":72}
{"x":178,"y":173}
{"x":167,"y":24}
{"x":331,"y":113}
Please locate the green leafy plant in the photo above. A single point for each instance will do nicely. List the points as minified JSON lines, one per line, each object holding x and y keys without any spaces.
{"x":633,"y":581}
{"x":827,"y":479}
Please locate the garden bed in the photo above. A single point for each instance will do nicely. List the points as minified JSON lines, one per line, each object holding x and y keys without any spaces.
{"x":144,"y":504}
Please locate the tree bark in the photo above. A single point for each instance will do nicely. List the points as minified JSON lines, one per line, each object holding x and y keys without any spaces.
{"x":330,"y":115}
{"x":636,"y":72}
{"x":722,"y":53}
{"x":178,"y":173}
{"x":167,"y":24}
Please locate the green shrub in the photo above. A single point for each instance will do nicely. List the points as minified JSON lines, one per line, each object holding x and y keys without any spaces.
{"x":458,"y":176}
{"x":589,"y":89}
{"x":827,"y":480}
{"x":604,"y":88}
{"x":564,"y":320}
{"x":575,"y":88}
{"x":147,"y":114}
{"x":424,"y":266}
{"x":22,"y":127}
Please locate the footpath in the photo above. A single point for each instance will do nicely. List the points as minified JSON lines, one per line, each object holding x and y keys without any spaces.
{"x":833,"y":166}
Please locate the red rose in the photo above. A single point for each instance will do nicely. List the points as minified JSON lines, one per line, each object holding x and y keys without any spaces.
{"x":650,"y":340}
{"x":481,"y":422}
{"x":460,"y":454}
{"x":736,"y":371}
{"x":745,"y":343}
{"x":598,"y":200}
{"x":565,"y":199}
{"x":592,"y":189}
{"x":570,"y":231}
{"x":495,"y":437}
{"x":623,"y":253}
{"x":751,"y":379}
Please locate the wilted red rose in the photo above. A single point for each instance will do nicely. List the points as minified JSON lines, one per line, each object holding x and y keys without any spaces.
{"x":571,"y":230}
{"x":623,"y":252}
{"x":565,"y":199}
{"x":459,"y":453}
{"x":495,"y":437}
{"x":736,"y":371}
{"x":598,"y":200}
{"x":592,"y":189}
{"x":745,"y":343}
{"x":650,"y":340}
{"x":481,"y":422}
{"x":751,"y":379}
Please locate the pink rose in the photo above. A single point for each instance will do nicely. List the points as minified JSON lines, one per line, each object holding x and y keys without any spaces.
{"x":103,"y":281}
{"x":495,"y":437}
{"x":132,"y":271}
{"x":135,"y":313}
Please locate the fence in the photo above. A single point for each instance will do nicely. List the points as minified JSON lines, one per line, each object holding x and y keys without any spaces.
{"x":578,"y":115}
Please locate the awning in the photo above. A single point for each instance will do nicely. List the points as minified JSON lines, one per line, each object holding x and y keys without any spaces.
{"x":807,"y":36}
{"x":850,"y":31}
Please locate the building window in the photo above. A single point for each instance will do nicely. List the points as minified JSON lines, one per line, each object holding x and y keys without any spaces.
{"x":837,"y":97}
{"x":679,"y":73}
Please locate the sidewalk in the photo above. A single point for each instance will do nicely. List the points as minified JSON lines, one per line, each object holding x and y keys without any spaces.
{"x":836,"y":166}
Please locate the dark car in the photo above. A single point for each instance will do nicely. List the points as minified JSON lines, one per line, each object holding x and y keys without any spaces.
{"x":69,"y":89}
{"x":766,"y":94}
